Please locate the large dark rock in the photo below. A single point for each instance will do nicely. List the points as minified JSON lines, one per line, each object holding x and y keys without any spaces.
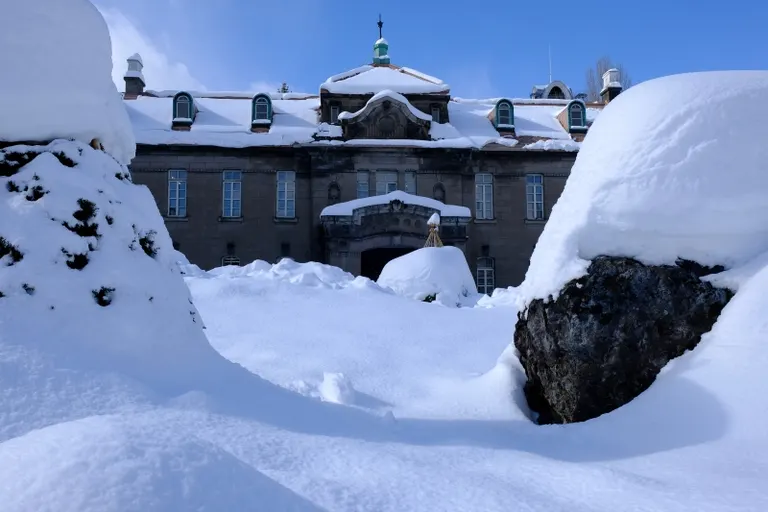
{"x":608,"y":334}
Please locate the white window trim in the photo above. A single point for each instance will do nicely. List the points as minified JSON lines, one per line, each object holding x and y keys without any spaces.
{"x":179,"y":100}
{"x":173,"y":184}
{"x":436,"y":115}
{"x":261,"y":101}
{"x":509,"y":122}
{"x":335,"y":116}
{"x":384,"y":182}
{"x":230,"y":182}
{"x":486,"y":212}
{"x":489,"y":276}
{"x":366,"y":184}
{"x":290,"y":194}
{"x":577,"y":122}
{"x":531,"y":189}
{"x":230,"y":260}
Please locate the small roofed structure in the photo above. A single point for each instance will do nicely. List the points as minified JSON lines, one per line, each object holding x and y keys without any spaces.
{"x":433,"y":240}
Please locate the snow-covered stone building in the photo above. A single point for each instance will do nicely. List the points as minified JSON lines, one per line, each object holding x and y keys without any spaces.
{"x":244,"y":176}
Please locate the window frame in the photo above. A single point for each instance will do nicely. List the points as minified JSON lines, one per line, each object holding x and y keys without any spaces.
{"x":177,"y":177}
{"x":288,"y":187}
{"x":186,"y":98}
{"x":411,"y":179}
{"x":366,"y":182}
{"x":232,"y":181}
{"x":265,"y":101}
{"x":436,"y":111}
{"x":386,"y":184}
{"x":484,"y":207}
{"x":230,"y":260}
{"x":486,"y":267}
{"x":506,"y":105}
{"x":534,"y":197}
{"x":334,"y":119}
{"x":582,"y":118}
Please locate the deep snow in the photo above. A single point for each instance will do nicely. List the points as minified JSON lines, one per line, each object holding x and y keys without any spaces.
{"x":57,"y":62}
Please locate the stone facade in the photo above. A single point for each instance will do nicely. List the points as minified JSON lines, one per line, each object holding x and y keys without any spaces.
{"x":328,"y":175}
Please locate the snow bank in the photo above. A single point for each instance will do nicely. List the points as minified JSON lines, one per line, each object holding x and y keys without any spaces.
{"x":681,"y":179}
{"x":58,"y":60}
{"x":441,"y":272}
{"x":89,"y":279}
{"x":348,"y":207}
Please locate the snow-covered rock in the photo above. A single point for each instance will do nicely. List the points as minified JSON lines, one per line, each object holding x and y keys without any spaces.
{"x":431,"y":273}
{"x":658,"y":179}
{"x":57,"y":81}
{"x":662,"y":193}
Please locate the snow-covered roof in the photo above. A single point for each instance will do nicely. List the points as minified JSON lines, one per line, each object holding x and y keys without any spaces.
{"x":347,"y":208}
{"x":388,"y":94}
{"x":224,"y":120}
{"x":374,"y":79}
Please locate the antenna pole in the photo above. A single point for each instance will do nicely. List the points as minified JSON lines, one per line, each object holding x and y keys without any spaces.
{"x":550,"y":63}
{"x":380,"y":24}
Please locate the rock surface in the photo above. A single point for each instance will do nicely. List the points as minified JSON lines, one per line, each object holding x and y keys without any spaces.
{"x":608,"y":334}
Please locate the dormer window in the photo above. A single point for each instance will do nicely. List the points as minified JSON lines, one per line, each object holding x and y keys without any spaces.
{"x":435,"y":113}
{"x":505,"y":115}
{"x":183,"y":108}
{"x":335,"y":109}
{"x":556,"y":93}
{"x":577,"y":116}
{"x":262,"y":109}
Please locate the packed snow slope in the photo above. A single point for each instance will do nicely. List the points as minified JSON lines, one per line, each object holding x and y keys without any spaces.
{"x":57,"y":62}
{"x":682,"y":179}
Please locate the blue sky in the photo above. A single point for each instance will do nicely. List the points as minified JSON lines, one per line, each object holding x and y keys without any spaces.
{"x":482,"y":48}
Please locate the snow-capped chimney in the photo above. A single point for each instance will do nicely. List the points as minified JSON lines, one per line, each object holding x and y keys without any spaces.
{"x":611,"y":85}
{"x":134,"y":77}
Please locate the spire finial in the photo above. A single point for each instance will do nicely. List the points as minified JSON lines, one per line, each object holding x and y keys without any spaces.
{"x":381,"y":25}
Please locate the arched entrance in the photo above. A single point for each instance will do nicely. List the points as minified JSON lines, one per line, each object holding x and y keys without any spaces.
{"x":372,"y":261}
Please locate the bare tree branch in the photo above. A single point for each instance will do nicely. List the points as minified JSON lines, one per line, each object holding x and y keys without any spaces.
{"x":594,"y":77}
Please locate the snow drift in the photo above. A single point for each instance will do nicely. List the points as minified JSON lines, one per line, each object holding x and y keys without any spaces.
{"x":658,"y":179}
{"x":441,"y":273}
{"x":57,"y":80}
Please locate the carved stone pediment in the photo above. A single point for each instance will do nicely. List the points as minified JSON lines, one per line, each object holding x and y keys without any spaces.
{"x":386,"y":118}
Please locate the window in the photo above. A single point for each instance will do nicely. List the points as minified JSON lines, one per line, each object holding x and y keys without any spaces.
{"x":436,"y":114}
{"x":576,"y":115}
{"x":386,"y":182}
{"x":232,"y":188}
{"x":410,"y":182}
{"x":334,"y":114}
{"x":262,"y":109}
{"x":504,"y":115}
{"x":486,"y":278}
{"x":484,"y":196}
{"x":334,"y":193}
{"x":230,"y":260}
{"x":556,"y":93}
{"x":285,"y":250}
{"x":182,"y":105}
{"x":177,"y":193}
{"x":362,"y":184}
{"x":286,"y":194}
{"x":534,"y":191}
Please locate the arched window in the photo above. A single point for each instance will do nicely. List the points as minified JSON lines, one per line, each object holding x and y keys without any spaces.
{"x":504,"y":114}
{"x":556,"y":93}
{"x":262,"y":109}
{"x":576,"y":115}
{"x":183,"y":107}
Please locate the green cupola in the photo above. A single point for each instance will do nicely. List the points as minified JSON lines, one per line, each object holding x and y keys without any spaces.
{"x":381,"y":48}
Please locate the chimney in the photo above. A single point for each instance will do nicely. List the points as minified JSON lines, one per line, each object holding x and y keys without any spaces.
{"x":134,"y":77}
{"x":611,"y":85}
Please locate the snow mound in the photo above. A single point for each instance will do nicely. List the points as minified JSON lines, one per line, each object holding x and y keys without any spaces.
{"x":105,"y":464}
{"x":501,"y":297}
{"x":438,"y":273}
{"x":682,"y":179}
{"x":58,"y":58}
{"x":89,"y":282}
{"x":337,"y":388}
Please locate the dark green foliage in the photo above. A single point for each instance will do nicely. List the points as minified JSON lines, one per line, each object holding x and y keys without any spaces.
{"x":2,"y":295}
{"x":36,"y":177}
{"x":8,"y":249}
{"x":28,"y":288}
{"x":12,"y":161}
{"x":103,"y":296}
{"x":77,"y":261}
{"x":12,"y":187}
{"x":35,"y":193}
{"x":147,"y":243}
{"x":86,"y":212}
{"x":110,"y":220}
{"x":121,"y":176}
{"x":430,"y":298}
{"x":64,"y":159}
